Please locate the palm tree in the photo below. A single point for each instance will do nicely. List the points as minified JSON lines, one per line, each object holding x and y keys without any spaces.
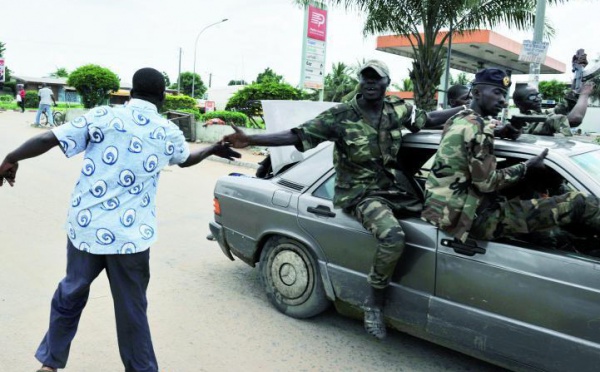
{"x":424,"y":20}
{"x":339,"y":82}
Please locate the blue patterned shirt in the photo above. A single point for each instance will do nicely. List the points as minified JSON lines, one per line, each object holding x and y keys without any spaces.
{"x":113,"y":204}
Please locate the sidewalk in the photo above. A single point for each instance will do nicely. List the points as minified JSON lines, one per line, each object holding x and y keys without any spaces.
{"x":250,"y":156}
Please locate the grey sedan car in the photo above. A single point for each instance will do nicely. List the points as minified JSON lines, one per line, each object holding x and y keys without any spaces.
{"x":532,"y":303}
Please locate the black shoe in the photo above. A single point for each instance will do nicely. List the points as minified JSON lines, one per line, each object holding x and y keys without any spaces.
{"x":210,"y":237}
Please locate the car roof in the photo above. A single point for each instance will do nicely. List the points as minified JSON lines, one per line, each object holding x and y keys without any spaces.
{"x":526,"y":143}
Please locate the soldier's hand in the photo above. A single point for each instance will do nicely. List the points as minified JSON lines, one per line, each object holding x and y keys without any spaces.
{"x":587,"y":88}
{"x":506,"y":131}
{"x":225,"y":152}
{"x":537,"y":161}
{"x":237,"y":140}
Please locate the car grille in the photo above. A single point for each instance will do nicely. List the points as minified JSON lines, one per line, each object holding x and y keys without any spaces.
{"x":291,"y":185}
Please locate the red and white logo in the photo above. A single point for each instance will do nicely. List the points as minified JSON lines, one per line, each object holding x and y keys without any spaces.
{"x":317,"y":23}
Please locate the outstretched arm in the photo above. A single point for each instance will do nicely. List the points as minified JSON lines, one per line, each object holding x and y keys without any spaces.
{"x":217,"y":149}
{"x":33,"y":147}
{"x":438,"y":118}
{"x":576,"y":115}
{"x":239,"y":139}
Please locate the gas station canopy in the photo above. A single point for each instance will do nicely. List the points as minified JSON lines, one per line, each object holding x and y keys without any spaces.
{"x":475,"y":50}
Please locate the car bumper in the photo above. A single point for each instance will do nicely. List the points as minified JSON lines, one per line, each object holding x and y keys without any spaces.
{"x":218,"y":233}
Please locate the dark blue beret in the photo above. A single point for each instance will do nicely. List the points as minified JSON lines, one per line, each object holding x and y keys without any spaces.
{"x":492,"y":76}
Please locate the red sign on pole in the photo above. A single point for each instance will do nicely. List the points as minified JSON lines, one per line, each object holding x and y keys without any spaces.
{"x":317,"y":23}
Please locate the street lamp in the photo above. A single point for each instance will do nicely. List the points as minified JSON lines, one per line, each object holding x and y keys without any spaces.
{"x":195,"y":46}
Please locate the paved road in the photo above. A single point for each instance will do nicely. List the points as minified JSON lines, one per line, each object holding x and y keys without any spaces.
{"x":206,"y":312}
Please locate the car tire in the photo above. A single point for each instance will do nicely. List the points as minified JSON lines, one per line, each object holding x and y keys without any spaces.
{"x":291,"y":278}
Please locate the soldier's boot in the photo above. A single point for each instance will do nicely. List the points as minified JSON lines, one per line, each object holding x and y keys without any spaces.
{"x":373,"y":313}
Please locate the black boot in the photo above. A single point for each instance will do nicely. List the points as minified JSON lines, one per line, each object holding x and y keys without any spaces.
{"x":373,"y":313}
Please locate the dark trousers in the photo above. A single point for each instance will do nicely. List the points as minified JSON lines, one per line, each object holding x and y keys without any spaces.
{"x":128,"y":275}
{"x":22,"y":104}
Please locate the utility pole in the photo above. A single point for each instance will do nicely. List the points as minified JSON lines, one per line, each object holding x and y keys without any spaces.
{"x":538,"y":36}
{"x":209,"y":79}
{"x":179,"y":73}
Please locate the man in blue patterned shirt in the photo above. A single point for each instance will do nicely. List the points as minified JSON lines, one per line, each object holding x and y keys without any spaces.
{"x":112,"y":221}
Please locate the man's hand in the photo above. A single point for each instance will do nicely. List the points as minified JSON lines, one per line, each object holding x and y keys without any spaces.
{"x":225,"y":152}
{"x":587,"y":88}
{"x":506,"y":131}
{"x":8,"y":172}
{"x":537,"y":161}
{"x":237,"y":140}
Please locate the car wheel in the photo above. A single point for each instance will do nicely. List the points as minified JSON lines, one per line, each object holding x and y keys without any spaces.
{"x":291,"y":278}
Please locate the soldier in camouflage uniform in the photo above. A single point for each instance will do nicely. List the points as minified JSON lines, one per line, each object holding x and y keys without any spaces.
{"x":459,"y":95}
{"x":560,"y":119}
{"x":369,"y":181}
{"x":461,"y":195}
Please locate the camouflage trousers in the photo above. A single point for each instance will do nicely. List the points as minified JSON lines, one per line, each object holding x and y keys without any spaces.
{"x":379,"y":217}
{"x":515,"y":217}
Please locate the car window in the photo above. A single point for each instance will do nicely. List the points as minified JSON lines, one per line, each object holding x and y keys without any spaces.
{"x":542,"y":183}
{"x":326,"y":190}
{"x":590,"y":162}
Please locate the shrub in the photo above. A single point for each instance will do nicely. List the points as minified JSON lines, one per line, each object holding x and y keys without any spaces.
{"x":7,"y":98}
{"x":238,"y":118}
{"x":195,"y":112}
{"x":31,"y":99}
{"x":93,"y":83}
{"x":176,"y":103}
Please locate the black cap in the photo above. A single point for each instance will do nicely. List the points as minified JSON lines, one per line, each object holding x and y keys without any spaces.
{"x":492,"y":76}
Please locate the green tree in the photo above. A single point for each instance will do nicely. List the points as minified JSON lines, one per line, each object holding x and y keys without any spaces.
{"x":167,"y":80}
{"x":237,"y":82}
{"x":268,"y":76}
{"x":552,"y":89}
{"x":60,"y":72}
{"x":461,"y":79}
{"x":405,"y":86}
{"x":339,"y":82}
{"x":247,"y":99}
{"x":93,"y":83}
{"x":595,"y":96}
{"x":186,"y":79}
{"x":424,"y":22}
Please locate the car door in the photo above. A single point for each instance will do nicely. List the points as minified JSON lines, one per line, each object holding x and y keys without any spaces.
{"x":527,"y":305}
{"x":349,"y":250}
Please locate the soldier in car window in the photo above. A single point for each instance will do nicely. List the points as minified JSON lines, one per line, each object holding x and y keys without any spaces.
{"x":370,"y":183}
{"x":462,"y":191}
{"x":558,"y":120}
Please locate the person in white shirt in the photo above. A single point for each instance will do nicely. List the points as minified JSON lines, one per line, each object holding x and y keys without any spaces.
{"x":111,"y":222}
{"x":46,"y":99}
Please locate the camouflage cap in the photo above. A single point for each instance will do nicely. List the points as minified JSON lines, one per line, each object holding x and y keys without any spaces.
{"x":377,"y":65}
{"x":492,"y":76}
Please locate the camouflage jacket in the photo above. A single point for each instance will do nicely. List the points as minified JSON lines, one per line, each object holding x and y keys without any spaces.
{"x":464,"y":174}
{"x":555,"y":123}
{"x":365,"y":155}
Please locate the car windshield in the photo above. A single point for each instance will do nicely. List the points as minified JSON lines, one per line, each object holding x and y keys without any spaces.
{"x":590,"y":162}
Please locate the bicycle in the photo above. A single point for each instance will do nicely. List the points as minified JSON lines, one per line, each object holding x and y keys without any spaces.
{"x":57,"y":116}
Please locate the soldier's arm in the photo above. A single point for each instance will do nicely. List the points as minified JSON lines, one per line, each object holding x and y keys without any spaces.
{"x":482,"y":162}
{"x":239,"y":139}
{"x":439,"y":118}
{"x":576,"y":115}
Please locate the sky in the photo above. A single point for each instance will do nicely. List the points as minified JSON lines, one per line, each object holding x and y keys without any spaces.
{"x":125,"y":35}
